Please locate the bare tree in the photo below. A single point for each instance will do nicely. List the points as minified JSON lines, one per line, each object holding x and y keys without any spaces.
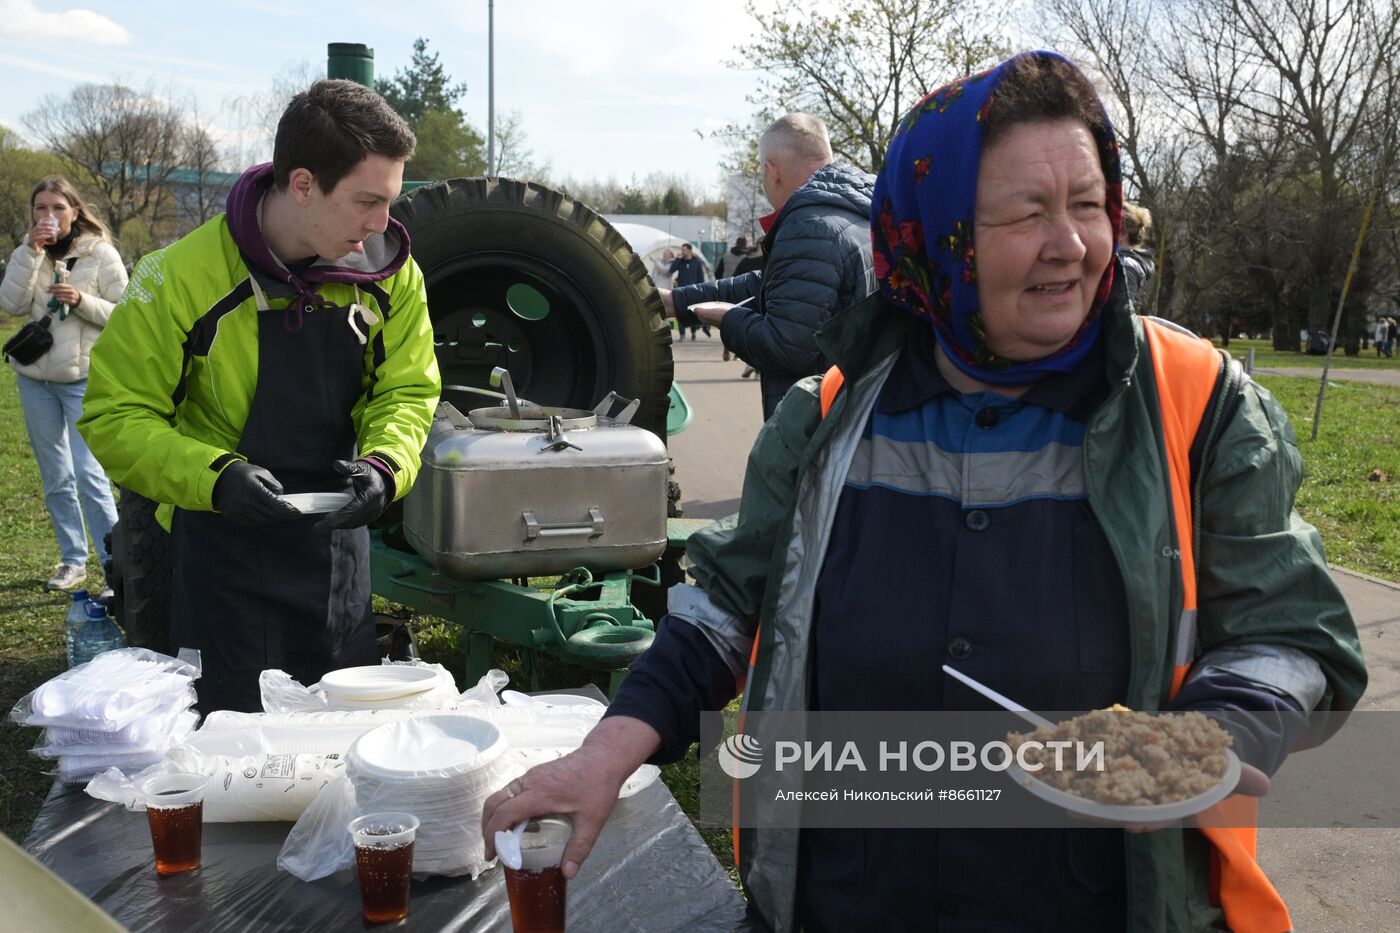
{"x":256,"y":115}
{"x":861,"y":68}
{"x":514,"y":157}
{"x":1326,"y":69}
{"x":128,"y":142}
{"x":203,"y":158}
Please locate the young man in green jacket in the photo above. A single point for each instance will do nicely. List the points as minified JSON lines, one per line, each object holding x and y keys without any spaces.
{"x":283,"y":347}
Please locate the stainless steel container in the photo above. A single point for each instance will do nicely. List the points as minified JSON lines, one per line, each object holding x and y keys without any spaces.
{"x":524,"y":490}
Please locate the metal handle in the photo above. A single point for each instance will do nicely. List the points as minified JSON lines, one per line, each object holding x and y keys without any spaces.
{"x":488,"y":392}
{"x":624,"y":416}
{"x":534,"y":529}
{"x":500,"y":376}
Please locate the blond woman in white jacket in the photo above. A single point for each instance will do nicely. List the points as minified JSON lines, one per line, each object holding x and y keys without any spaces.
{"x":68,"y":271}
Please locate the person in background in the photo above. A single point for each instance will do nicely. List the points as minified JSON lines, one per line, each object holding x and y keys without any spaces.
{"x":992,"y":440}
{"x":284,"y":347}
{"x":68,"y":273}
{"x":1382,"y":336}
{"x":689,"y":270}
{"x":818,"y":260}
{"x":1134,"y":255}
{"x":1390,"y":334}
{"x":728,"y":267}
{"x":753,"y":262}
{"x":729,"y":263}
{"x":661,"y":275}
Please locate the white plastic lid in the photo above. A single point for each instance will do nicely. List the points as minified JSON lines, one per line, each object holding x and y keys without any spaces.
{"x":378,"y":682}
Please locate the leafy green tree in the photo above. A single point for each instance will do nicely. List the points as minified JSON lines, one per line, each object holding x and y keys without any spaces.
{"x":674,"y":202}
{"x":632,"y":201}
{"x":448,"y":147}
{"x":423,"y":86}
{"x":425,"y":95}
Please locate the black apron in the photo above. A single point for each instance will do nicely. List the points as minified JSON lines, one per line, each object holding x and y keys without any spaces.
{"x":285,"y":596}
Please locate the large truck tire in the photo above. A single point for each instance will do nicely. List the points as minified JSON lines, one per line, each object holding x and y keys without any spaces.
{"x":142,"y":565}
{"x":524,"y":277}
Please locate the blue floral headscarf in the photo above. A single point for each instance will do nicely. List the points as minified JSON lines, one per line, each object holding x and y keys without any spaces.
{"x":922,"y":227}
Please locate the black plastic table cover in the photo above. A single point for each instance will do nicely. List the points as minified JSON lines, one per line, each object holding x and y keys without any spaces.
{"x":649,"y":871}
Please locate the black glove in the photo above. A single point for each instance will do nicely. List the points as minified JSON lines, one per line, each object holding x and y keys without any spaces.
{"x":247,"y":494}
{"x":370,"y":496}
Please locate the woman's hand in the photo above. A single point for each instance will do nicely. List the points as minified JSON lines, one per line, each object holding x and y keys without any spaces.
{"x":582,"y":785}
{"x":66,"y":293}
{"x":41,"y":235}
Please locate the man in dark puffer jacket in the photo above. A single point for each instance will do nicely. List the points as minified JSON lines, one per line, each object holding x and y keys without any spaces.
{"x":818,"y":249}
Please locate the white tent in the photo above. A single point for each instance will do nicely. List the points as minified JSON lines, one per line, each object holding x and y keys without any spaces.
{"x":650,"y":243}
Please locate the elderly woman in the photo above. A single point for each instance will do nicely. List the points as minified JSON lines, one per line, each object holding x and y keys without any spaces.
{"x":985,"y":482}
{"x":67,"y":275}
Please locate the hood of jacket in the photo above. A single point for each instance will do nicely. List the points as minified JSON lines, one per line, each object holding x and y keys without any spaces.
{"x":834,"y":185}
{"x":384,"y":253}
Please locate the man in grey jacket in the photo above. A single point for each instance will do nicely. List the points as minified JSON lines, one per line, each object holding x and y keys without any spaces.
{"x":818,"y":249}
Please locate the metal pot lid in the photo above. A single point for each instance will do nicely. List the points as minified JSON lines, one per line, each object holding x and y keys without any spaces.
{"x":532,"y":418}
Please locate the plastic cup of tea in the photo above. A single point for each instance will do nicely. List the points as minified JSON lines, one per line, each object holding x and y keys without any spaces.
{"x":537,"y":888}
{"x":175,"y":810}
{"x":384,"y":862}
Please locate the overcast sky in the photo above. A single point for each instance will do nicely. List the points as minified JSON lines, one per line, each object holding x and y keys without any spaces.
{"x":606,"y":87}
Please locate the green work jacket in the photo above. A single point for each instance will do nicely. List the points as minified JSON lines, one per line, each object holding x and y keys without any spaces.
{"x":1262,"y":576}
{"x":166,"y":405}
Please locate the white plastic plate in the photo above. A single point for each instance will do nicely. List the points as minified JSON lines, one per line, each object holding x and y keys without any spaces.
{"x":316,"y":503}
{"x":1130,"y":813}
{"x":378,"y":682}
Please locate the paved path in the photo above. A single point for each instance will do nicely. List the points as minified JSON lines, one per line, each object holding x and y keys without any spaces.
{"x":1385,"y":377}
{"x":1334,"y":880}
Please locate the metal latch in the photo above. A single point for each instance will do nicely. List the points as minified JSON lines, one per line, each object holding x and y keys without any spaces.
{"x":555,"y":438}
{"x":593,"y":527}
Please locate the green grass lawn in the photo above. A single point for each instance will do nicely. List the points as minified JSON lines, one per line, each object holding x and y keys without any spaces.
{"x":1359,"y":519}
{"x":1266,"y":357}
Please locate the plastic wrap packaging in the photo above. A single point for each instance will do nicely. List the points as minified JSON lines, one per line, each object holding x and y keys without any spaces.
{"x":649,"y":872}
{"x":158,"y":733}
{"x":282,"y":694}
{"x":439,"y":768}
{"x":266,"y":766}
{"x":110,"y":692}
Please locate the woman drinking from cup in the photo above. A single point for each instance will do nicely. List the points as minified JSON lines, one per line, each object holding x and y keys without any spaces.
{"x":65,"y":277}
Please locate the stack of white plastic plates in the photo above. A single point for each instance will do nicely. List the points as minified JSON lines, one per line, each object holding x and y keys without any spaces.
{"x":378,"y":686}
{"x":439,"y":768}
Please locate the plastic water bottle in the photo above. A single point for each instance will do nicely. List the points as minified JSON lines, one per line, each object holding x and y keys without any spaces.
{"x":77,"y":615}
{"x":97,"y":634}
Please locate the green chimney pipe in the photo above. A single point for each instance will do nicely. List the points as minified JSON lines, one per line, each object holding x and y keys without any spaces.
{"x":352,"y":61}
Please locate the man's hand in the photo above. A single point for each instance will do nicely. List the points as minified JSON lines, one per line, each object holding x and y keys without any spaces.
{"x":668,"y":301}
{"x":369,"y":499}
{"x":247,"y":494}
{"x":712,"y":312}
{"x":582,"y":785}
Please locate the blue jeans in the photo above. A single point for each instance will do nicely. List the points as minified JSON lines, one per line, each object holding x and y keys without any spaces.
{"x":69,"y":471}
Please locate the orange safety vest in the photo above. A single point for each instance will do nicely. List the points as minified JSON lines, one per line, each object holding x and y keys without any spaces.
{"x":1187,"y":369}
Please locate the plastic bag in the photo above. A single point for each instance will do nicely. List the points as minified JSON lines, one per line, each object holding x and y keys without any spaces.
{"x":241,"y":789}
{"x":156,"y":732}
{"x":282,"y":694}
{"x":440,"y":768}
{"x":110,"y":692}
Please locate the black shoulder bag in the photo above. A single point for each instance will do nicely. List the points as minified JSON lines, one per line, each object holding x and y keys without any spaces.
{"x":32,"y":340}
